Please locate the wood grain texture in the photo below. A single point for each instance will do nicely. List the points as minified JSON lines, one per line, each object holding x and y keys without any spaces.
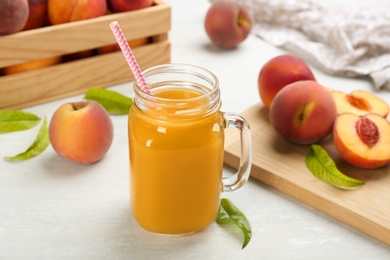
{"x":82,"y":35}
{"x":281,"y":165}
{"x":55,"y":82}
{"x":66,"y":79}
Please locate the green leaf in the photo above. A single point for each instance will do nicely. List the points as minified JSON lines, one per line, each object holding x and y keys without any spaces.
{"x":324,"y":168}
{"x":16,"y":120}
{"x":230,"y":214}
{"x":112,"y":101}
{"x":41,"y":142}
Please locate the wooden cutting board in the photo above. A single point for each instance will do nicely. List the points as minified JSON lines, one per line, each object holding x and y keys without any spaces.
{"x":281,"y":165}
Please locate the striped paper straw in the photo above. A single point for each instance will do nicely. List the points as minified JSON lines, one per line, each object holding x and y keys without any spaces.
{"x":129,"y":56}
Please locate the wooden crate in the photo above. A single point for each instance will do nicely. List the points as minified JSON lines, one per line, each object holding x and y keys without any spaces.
{"x":70,"y":78}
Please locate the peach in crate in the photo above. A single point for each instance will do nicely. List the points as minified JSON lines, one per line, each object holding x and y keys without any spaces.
{"x":14,"y":15}
{"x":77,"y":76}
{"x":38,"y":16}
{"x":64,"y":11}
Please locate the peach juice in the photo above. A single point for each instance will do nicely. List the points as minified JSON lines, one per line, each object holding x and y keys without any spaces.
{"x":176,"y":140}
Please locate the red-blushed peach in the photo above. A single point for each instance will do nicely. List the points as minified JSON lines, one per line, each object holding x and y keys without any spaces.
{"x":360,"y":102}
{"x":227,"y":24}
{"x":278,"y":72}
{"x":81,"y":131}
{"x":363,"y":141}
{"x":64,"y":11}
{"x":14,"y":15}
{"x":303,"y":112}
{"x":38,"y":16}
{"x":118,"y":6}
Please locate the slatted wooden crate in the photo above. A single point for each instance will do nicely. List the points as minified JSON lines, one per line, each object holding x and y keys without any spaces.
{"x":74,"y":77}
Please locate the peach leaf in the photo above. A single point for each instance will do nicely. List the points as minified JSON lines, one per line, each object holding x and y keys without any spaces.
{"x":230,"y":214}
{"x":112,"y":101}
{"x":40,"y":143}
{"x":17,"y":120}
{"x":324,"y":168}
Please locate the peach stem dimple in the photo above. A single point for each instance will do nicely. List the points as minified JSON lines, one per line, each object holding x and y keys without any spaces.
{"x":367,"y":131}
{"x":78,"y":105}
{"x":242,"y":21}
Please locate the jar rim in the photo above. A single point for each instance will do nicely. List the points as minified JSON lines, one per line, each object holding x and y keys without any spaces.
{"x":171,"y":68}
{"x":184,"y":76}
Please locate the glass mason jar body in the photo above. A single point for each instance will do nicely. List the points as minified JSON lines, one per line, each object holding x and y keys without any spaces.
{"x":176,"y":139}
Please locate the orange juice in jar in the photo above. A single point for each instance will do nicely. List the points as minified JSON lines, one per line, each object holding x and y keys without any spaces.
{"x":176,"y":138}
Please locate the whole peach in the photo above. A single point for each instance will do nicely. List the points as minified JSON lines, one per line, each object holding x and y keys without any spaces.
{"x":364,"y":140}
{"x":278,"y":72}
{"x":303,"y":112}
{"x":64,"y":11}
{"x":38,"y":16}
{"x":14,"y":15}
{"x":118,"y":6}
{"x":228,"y":24}
{"x":81,"y":131}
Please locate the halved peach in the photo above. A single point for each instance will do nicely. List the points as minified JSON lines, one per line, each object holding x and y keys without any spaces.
{"x":363,"y":141}
{"x":360,"y":102}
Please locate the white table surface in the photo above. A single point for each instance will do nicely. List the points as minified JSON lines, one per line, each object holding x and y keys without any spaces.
{"x":51,"y":208}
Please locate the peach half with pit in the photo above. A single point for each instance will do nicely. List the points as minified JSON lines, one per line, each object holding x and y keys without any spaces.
{"x":363,"y":141}
{"x":360,"y":102}
{"x":303,"y":112}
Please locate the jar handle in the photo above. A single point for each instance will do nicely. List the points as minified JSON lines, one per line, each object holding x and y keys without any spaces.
{"x":233,"y":120}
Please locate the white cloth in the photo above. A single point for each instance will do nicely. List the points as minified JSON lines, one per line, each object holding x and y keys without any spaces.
{"x":346,"y":42}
